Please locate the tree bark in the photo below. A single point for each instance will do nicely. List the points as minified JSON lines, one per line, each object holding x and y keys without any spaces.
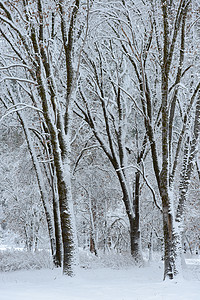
{"x":190,"y":152}
{"x":135,"y":223}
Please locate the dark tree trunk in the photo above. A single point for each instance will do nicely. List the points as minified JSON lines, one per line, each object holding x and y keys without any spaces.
{"x":133,"y":213}
{"x":59,"y":163}
{"x":92,"y":244}
{"x":135,"y":241}
{"x":135,"y":222}
{"x":58,"y":232}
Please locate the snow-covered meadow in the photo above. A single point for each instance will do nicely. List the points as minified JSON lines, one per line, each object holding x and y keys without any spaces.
{"x":96,"y":281}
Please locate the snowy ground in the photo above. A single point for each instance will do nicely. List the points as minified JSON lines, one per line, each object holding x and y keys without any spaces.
{"x":101,"y":284}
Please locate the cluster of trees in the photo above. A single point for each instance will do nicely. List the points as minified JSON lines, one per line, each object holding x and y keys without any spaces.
{"x":107,"y":97}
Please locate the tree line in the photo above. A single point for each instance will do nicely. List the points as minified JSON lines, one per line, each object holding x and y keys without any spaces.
{"x":118,"y":80}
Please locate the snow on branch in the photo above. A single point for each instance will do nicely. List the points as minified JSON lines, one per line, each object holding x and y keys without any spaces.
{"x":129,"y":95}
{"x":16,"y":108}
{"x":146,"y":181}
{"x":18,"y":79}
{"x":14,"y":66}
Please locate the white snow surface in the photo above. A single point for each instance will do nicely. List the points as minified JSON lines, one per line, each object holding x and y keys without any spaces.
{"x":100,"y":283}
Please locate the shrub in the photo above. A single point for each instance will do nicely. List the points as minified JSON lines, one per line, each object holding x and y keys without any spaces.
{"x":12,"y":260}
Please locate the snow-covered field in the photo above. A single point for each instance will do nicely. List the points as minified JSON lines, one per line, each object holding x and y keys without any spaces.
{"x":99,"y":283}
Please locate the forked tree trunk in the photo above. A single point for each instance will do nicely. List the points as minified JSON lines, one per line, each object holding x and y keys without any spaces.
{"x":170,"y":254}
{"x":33,"y":40}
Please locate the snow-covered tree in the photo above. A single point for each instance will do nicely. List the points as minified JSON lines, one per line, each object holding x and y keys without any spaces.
{"x":154,"y":39}
{"x":39,"y":38}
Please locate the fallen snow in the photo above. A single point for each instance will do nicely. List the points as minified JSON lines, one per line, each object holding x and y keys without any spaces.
{"x":100,"y":284}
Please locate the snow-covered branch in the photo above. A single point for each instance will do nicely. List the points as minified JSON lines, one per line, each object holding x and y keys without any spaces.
{"x":19,"y":79}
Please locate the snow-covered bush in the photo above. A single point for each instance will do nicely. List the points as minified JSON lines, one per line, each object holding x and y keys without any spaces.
{"x":13,"y":260}
{"x":110,"y":259}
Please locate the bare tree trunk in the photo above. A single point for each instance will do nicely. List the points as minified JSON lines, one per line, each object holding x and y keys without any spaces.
{"x":170,"y":269}
{"x":61,"y":159}
{"x":58,"y":231}
{"x":93,"y":246}
{"x":133,"y":213}
{"x":189,"y":158}
{"x":135,"y":222}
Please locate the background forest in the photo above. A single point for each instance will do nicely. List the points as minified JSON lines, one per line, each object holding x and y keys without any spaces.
{"x":99,"y":128}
